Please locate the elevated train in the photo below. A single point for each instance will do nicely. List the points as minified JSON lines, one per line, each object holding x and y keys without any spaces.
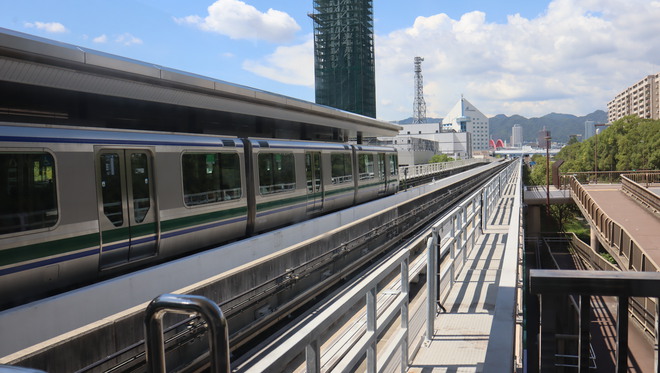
{"x":80,"y":204}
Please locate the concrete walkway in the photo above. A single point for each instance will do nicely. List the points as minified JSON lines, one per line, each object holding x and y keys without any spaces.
{"x":463,"y":335}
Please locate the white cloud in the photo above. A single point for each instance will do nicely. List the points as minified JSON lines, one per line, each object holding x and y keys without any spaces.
{"x":573,"y":58}
{"x":52,"y":27}
{"x":101,"y":39}
{"x":287,"y":64}
{"x":238,"y":20}
{"x":128,"y":39}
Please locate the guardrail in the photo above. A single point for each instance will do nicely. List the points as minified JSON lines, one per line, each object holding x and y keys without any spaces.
{"x":419,"y":170}
{"x":629,"y":254}
{"x":308,"y":339}
{"x":554,"y":286}
{"x":631,"y":185}
{"x":218,"y":334}
{"x":590,"y":177}
{"x":455,"y":234}
{"x":641,"y":309}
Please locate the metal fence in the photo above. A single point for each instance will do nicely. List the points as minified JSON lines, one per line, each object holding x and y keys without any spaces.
{"x":552,"y":288}
{"x":454,"y":234}
{"x":636,"y":185}
{"x":428,"y":169}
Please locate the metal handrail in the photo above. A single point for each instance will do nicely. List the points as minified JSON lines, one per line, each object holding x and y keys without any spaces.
{"x":640,"y":193}
{"x":552,"y":285}
{"x":418,"y":170}
{"x":614,"y":234}
{"x":466,"y":218}
{"x":185,"y":304}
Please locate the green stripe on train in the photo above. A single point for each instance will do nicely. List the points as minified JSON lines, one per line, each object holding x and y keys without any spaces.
{"x":45,"y":249}
{"x":69,"y":245}
{"x":293,"y":200}
{"x":191,"y":221}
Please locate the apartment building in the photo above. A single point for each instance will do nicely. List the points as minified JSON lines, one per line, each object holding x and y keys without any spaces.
{"x":641,"y":99}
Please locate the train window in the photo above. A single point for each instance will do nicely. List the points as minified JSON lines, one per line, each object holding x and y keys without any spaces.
{"x":276,"y":173}
{"x":394,"y":167}
{"x":111,"y":188}
{"x":28,"y":196}
{"x":210,"y":178}
{"x":140,"y":184}
{"x":366,"y":166}
{"x":342,"y":168}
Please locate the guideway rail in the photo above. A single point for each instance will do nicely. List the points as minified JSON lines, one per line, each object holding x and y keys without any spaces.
{"x":457,"y":232}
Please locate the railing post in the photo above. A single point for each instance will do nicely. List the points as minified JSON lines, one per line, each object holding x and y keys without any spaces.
{"x":548,"y":345}
{"x":372,"y":366}
{"x":185,"y":304}
{"x":656,"y":346}
{"x":432,"y":283}
{"x":313,"y":356}
{"x":583,"y":342}
{"x":622,"y":335}
{"x":405,"y":290}
{"x":452,"y":250}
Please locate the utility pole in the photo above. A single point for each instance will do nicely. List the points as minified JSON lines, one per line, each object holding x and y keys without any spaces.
{"x":547,"y":174}
{"x":419,"y":105}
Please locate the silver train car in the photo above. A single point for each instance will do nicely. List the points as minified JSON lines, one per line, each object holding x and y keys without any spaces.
{"x":78,"y":204}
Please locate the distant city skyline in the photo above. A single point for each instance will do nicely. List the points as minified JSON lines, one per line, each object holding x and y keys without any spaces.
{"x":516,"y":57}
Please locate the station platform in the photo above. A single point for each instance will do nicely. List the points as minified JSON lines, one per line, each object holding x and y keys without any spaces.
{"x":639,"y":222}
{"x":479,"y":310}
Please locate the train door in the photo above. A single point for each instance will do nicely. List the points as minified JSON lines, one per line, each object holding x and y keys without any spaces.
{"x":314,"y":184}
{"x":380,"y":160}
{"x":128,"y":218}
{"x":392,"y":173}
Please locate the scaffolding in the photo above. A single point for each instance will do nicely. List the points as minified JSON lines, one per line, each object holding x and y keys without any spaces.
{"x":344,"y":68}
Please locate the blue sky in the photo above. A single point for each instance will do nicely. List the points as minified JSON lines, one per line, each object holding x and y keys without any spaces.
{"x":527,"y":57}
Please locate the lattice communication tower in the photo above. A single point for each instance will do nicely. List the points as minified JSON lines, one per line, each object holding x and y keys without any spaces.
{"x":344,"y":68}
{"x":419,"y":105}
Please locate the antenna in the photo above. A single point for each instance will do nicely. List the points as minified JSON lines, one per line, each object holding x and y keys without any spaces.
{"x":419,"y":105}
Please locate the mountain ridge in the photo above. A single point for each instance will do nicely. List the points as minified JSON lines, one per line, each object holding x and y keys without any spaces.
{"x":561,"y":126}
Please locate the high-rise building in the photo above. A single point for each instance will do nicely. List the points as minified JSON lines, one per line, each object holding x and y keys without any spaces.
{"x":344,"y":69}
{"x":465,"y":117}
{"x":516,"y":136}
{"x":589,"y":129}
{"x":641,"y":99}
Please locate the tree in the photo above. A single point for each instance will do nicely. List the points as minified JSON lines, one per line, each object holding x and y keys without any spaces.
{"x":563,"y":213}
{"x":440,"y":158}
{"x":630,"y":143}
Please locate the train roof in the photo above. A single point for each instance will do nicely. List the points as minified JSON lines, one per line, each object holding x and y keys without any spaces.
{"x":70,"y":135}
{"x":81,"y":85}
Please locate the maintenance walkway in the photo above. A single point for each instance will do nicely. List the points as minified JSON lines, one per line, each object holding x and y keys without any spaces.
{"x":479,"y":320}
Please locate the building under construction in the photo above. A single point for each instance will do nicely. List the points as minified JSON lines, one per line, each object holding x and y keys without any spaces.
{"x":344,"y":55}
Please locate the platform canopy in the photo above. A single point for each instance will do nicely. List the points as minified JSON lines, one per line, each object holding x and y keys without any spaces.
{"x":45,"y":81}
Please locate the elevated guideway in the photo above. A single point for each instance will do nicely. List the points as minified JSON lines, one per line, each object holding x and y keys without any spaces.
{"x":116,"y":307}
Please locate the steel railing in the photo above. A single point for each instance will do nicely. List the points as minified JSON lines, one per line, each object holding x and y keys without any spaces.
{"x":552,"y":287}
{"x":419,"y":170}
{"x":455,"y":233}
{"x":632,"y":185}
